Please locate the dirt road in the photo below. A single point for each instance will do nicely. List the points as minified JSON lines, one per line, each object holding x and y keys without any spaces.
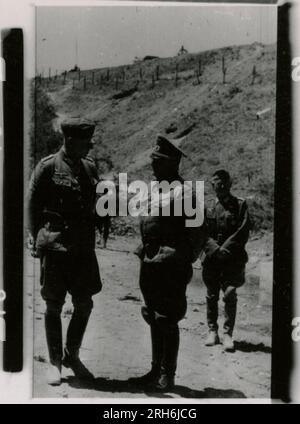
{"x":117,"y":344}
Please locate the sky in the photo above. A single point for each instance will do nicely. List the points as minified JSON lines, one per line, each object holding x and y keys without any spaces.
{"x":100,"y":36}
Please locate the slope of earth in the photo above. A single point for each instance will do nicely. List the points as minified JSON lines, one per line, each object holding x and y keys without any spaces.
{"x":219,"y":120}
{"x":216,"y":124}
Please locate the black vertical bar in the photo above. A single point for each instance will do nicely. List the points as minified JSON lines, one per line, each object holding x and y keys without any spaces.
{"x":13,"y":198}
{"x":283,"y":240}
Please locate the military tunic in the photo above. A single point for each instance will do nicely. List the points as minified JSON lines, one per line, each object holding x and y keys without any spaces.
{"x":167,"y":252}
{"x":225,"y":256}
{"x":68,"y":191}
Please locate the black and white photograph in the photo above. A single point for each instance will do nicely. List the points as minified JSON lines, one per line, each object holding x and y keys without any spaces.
{"x":134,"y":107}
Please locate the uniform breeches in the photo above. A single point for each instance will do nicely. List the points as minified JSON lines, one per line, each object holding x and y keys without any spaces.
{"x":58,"y":278}
{"x":227,"y":281}
{"x":77,"y":274}
{"x":164,"y":291}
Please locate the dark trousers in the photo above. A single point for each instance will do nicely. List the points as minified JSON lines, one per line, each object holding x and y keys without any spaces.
{"x":62,"y":273}
{"x":164,"y":290}
{"x":226,"y":279}
{"x":164,"y":341}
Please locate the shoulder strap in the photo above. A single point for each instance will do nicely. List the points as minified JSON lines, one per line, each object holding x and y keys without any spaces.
{"x":90,"y":169}
{"x":58,"y":164}
{"x":48,"y":163}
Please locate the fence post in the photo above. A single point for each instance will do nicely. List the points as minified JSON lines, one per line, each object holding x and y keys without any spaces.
{"x":79,"y":75}
{"x":176,"y":75}
{"x":224,"y":69}
{"x":107,"y":75}
{"x":254,"y":74}
{"x":199,"y":68}
{"x":84,"y":83}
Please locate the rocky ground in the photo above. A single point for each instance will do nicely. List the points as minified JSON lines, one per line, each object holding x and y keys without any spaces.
{"x":117,"y":344}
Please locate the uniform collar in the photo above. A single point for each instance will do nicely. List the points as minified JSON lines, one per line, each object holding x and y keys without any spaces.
{"x":74,"y":167}
{"x":225,"y":202}
{"x":68,"y":160}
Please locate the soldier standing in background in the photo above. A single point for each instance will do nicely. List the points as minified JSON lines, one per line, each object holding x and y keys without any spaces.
{"x":61,"y":209}
{"x":225,"y":256}
{"x":103,"y":227}
{"x":167,"y":252}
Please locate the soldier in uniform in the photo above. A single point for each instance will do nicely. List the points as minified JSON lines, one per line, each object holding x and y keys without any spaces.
{"x":61,"y":211}
{"x":167,"y":252}
{"x":224,"y":257}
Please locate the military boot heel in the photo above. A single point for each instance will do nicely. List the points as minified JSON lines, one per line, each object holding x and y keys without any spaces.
{"x":147,"y":379}
{"x":74,"y":363}
{"x":212,"y":338}
{"x":54,"y":374}
{"x":166,"y":381}
{"x":228,"y":343}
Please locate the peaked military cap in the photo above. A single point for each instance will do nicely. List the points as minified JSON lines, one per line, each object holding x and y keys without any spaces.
{"x":166,"y":149}
{"x":78,"y":127}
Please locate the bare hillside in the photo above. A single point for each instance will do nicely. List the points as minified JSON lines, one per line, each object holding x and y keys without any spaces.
{"x":187,"y":97}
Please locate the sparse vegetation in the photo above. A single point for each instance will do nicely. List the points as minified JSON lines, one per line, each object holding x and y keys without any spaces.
{"x":226,"y":132}
{"x":43,"y":139}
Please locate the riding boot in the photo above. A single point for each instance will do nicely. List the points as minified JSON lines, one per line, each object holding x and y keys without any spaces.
{"x":54,"y":341}
{"x":169,"y":360}
{"x":212,"y":312}
{"x":230,"y":308}
{"x":157,"y":351}
{"x":75,"y":335}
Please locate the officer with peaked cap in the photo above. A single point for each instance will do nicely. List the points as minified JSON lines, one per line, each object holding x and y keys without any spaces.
{"x":228,"y":222}
{"x":61,"y":212}
{"x":167,"y":252}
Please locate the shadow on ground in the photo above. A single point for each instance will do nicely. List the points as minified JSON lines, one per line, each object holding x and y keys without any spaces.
{"x":244,"y":346}
{"x":112,"y":386}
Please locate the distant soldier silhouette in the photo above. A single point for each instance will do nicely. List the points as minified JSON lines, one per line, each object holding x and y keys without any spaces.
{"x":228,"y":221}
{"x":103,"y":225}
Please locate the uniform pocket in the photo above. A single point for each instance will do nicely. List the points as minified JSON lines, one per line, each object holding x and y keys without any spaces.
{"x":61,"y":179}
